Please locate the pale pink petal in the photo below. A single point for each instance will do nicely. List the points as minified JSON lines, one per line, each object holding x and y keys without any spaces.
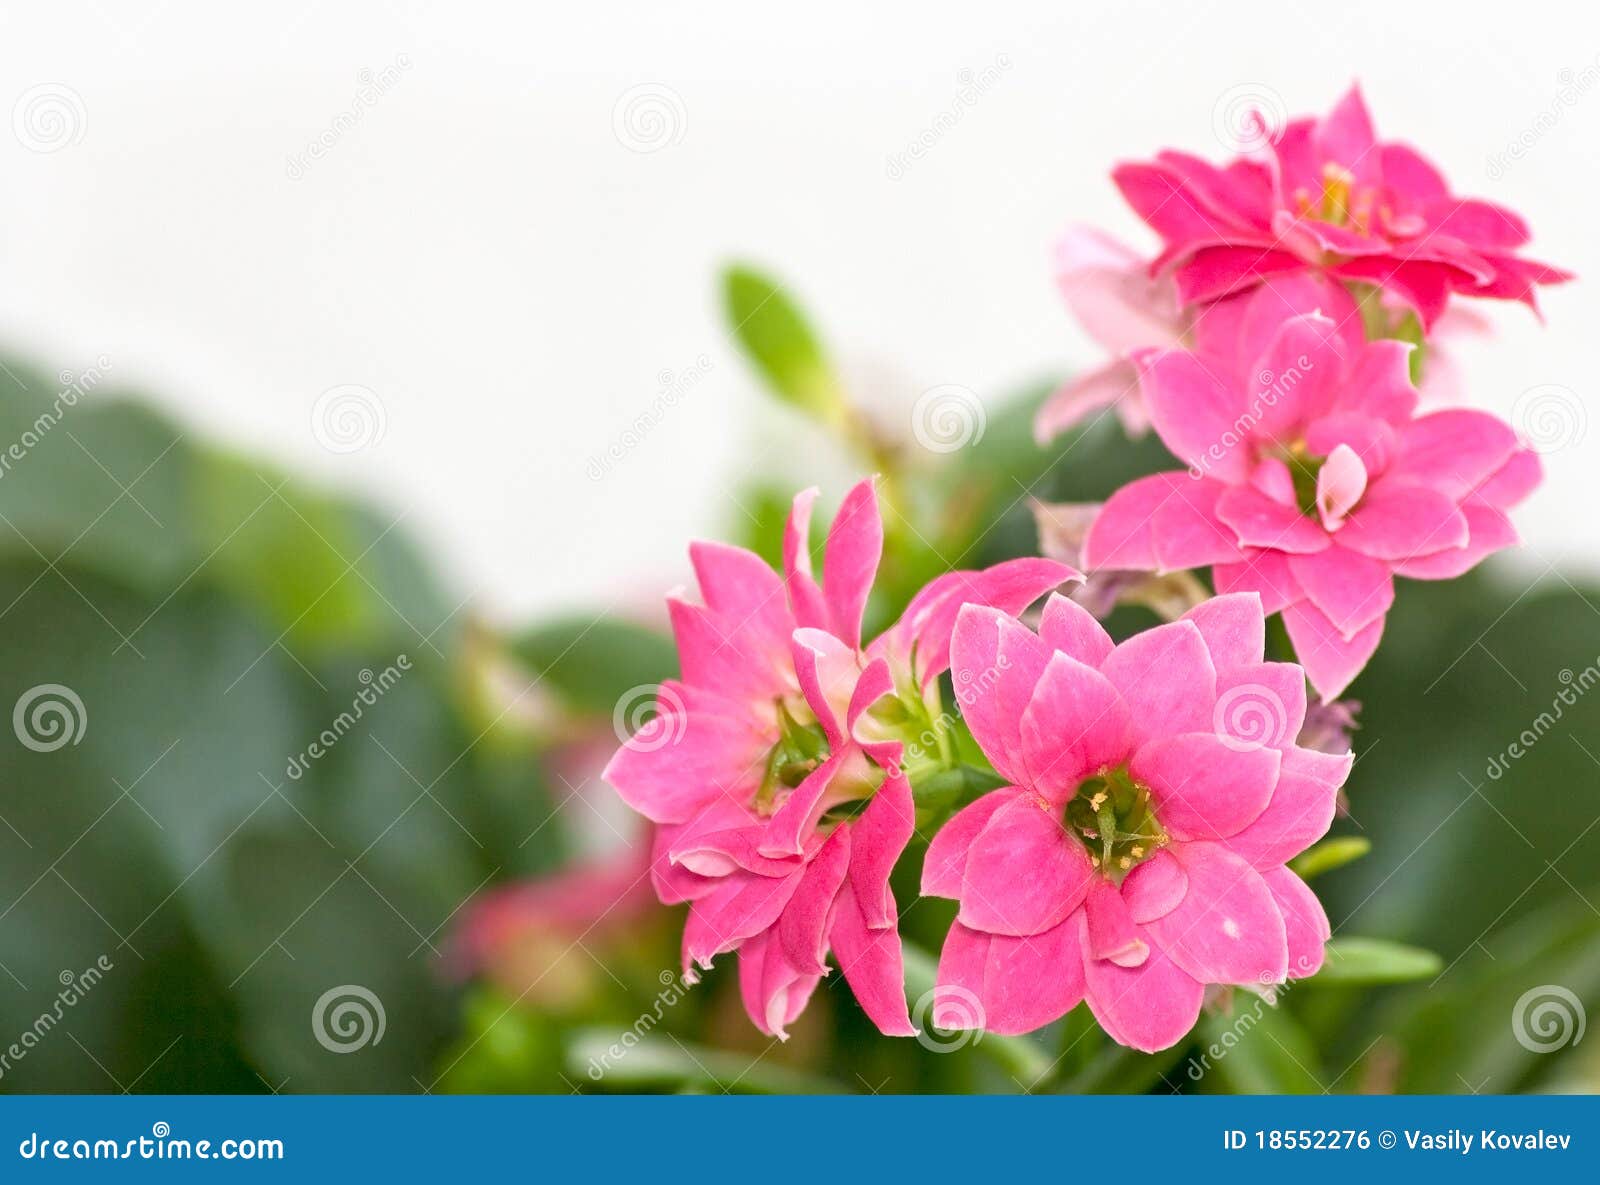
{"x":1379,"y":383}
{"x":684,"y":757}
{"x":1340,"y":483}
{"x":1373,"y":441}
{"x":1110,"y":292}
{"x":1024,"y":873}
{"x":1166,"y":679}
{"x":1205,"y":786}
{"x":1345,"y":136}
{"x":725,"y":655}
{"x":738,"y":586}
{"x":1488,"y":531}
{"x":1080,"y":398}
{"x":1227,"y":929}
{"x":828,"y":671}
{"x":1265,"y":573}
{"x":1516,"y":479}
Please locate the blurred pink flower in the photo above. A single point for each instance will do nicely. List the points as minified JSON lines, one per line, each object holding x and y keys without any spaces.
{"x":1138,"y":854}
{"x":781,"y":803}
{"x":1311,"y":483}
{"x":1327,"y":194}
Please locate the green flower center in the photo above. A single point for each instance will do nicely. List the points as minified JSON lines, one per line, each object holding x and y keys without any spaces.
{"x":800,"y":749}
{"x":1111,"y":814}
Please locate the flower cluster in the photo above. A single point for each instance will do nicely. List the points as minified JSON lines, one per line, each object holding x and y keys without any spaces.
{"x":1123,"y":812}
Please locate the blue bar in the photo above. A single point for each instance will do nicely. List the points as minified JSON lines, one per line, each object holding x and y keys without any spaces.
{"x":775,"y":1140}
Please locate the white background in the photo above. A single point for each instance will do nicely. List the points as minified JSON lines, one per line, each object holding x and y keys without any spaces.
{"x":483,"y":251}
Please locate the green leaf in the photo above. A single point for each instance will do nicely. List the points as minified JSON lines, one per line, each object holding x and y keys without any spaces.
{"x":1330,"y":854}
{"x":1373,"y":960}
{"x":781,"y":344}
{"x":629,"y":1061}
{"x":1258,"y":1048}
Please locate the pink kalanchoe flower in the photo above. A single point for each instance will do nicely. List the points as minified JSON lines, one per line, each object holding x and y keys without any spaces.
{"x":780,"y":798}
{"x":1138,"y":854}
{"x":1311,"y":483}
{"x":1328,"y":194}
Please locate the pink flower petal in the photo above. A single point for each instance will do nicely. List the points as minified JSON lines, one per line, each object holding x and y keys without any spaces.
{"x":1300,"y":812}
{"x":1488,"y":531}
{"x":1111,"y":932}
{"x":1261,"y":703}
{"x":855,"y":541}
{"x":1227,"y":929}
{"x":1258,"y":521}
{"x":1330,"y":659}
{"x":1148,"y":1007}
{"x":1205,"y":786}
{"x":743,"y":907}
{"x":1305,"y":922}
{"x":793,"y":823}
{"x":1454,"y":450}
{"x":1081,"y":397}
{"x":1398,"y":521}
{"x":1234,"y":629}
{"x":873,"y":965}
{"x":1155,"y":888}
{"x":1194,"y":414}
{"x":1265,"y":573}
{"x":1166,"y":680}
{"x":1340,"y":483}
{"x":879,"y":836}
{"x":1068,"y":627}
{"x":1029,"y":982}
{"x":828,"y":672}
{"x":1351,"y":589}
{"x":1074,"y":725}
{"x":804,"y":595}
{"x":945,"y":865}
{"x":803,"y":926}
{"x":1024,"y":873}
{"x":958,"y":990}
